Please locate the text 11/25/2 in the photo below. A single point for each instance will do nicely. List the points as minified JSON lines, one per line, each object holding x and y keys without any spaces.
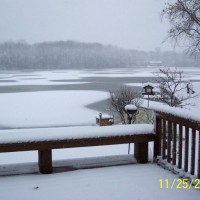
{"x":179,"y":183}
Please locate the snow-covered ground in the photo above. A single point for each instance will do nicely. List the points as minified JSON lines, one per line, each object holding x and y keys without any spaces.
{"x":62,"y":108}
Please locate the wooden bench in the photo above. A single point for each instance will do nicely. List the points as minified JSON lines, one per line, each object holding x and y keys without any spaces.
{"x":46,"y":139}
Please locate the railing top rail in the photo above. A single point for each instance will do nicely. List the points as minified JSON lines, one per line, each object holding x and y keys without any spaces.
{"x":67,"y":133}
{"x":179,"y":120}
{"x":177,"y":114}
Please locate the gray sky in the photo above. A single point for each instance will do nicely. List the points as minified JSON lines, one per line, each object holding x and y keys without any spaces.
{"x":130,"y":24}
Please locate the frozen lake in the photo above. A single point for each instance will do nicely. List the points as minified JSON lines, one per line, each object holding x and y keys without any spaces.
{"x":17,"y":89}
{"x":28,"y":97}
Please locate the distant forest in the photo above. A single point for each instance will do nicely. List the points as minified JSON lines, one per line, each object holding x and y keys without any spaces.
{"x":77,"y":55}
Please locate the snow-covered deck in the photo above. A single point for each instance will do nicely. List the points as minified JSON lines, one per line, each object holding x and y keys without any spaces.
{"x":134,"y":181}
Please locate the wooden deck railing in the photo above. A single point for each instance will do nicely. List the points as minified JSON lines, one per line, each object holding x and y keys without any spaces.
{"x":178,"y":142}
{"x":46,"y":139}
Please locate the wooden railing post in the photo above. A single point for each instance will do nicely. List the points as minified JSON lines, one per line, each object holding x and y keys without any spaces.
{"x":141,"y":152}
{"x":157,"y":143}
{"x":45,"y":161}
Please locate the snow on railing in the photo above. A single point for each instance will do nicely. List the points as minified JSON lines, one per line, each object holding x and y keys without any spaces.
{"x":176,"y":111}
{"x":79,"y":132}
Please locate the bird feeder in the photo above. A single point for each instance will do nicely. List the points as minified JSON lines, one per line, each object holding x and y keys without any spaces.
{"x":148,"y":89}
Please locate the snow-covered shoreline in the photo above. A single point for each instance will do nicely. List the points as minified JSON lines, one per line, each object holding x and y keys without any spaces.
{"x":43,"y":109}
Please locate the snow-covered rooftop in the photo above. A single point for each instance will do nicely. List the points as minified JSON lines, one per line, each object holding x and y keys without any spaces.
{"x":148,"y":84}
{"x":104,"y":116}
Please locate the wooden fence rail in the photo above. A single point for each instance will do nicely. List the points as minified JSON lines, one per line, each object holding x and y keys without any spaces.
{"x":85,"y":136}
{"x":178,"y":141}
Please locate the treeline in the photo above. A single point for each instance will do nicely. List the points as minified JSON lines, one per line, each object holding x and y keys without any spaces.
{"x":77,"y":55}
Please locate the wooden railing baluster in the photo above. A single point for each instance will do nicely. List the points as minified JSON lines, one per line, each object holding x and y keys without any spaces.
{"x":180,"y":146}
{"x":186,"y":148}
{"x":169,"y":141}
{"x":174,"y":144}
{"x":164,"y":140}
{"x":160,"y":136}
{"x":193,"y":151}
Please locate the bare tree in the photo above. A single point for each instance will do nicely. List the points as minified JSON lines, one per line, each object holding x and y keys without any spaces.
{"x":120,"y":98}
{"x":184,"y":18}
{"x":174,"y":91}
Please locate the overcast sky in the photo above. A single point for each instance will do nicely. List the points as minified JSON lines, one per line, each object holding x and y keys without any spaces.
{"x":130,"y":24}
